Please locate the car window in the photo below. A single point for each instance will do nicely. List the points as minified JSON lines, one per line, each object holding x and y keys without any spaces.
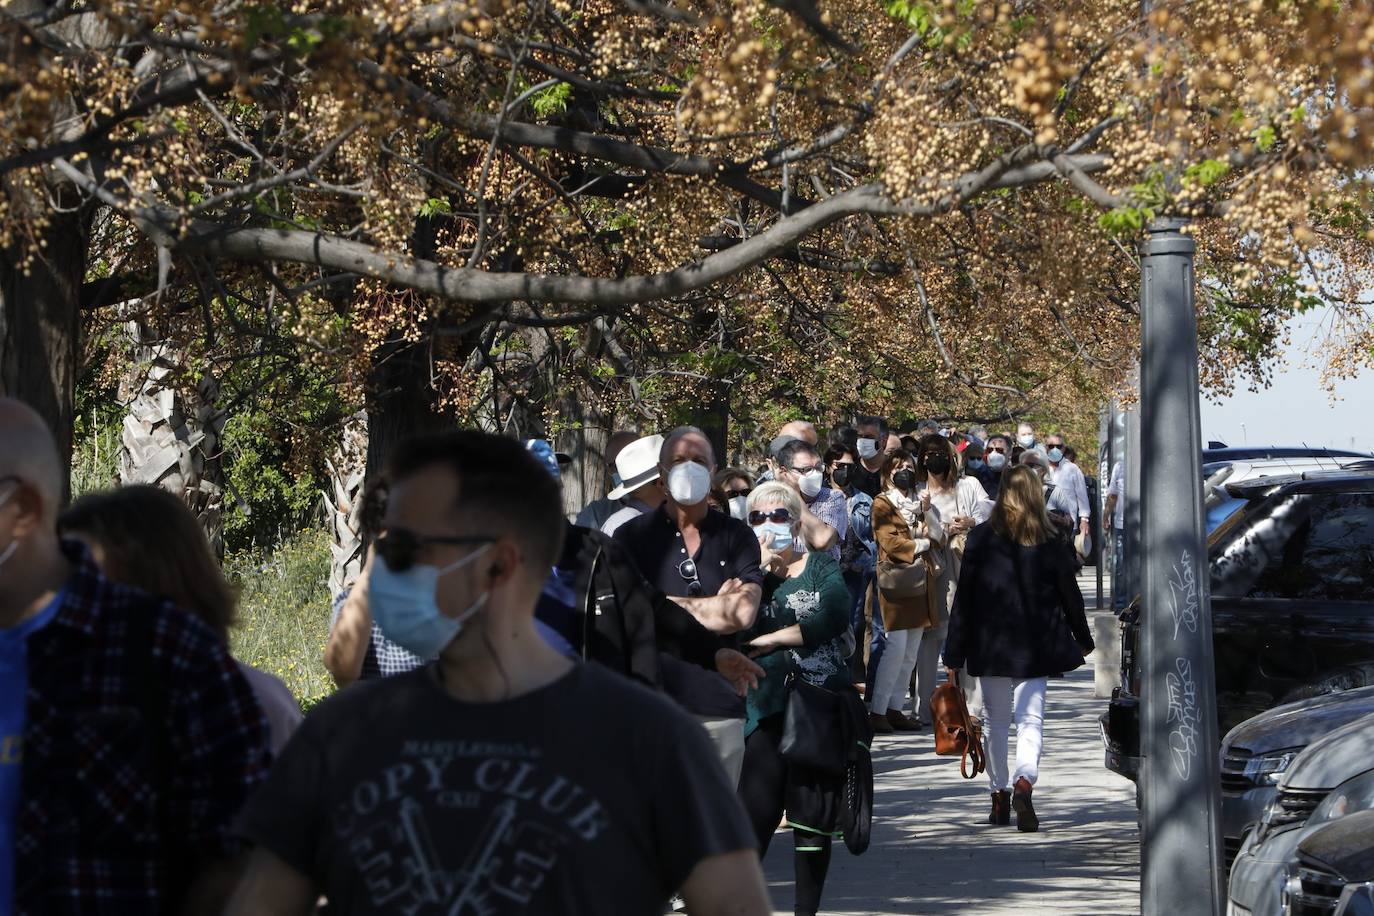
{"x":1313,"y":546}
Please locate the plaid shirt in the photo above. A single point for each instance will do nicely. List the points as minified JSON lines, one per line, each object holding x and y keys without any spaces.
{"x":384,"y":658}
{"x":832,"y":508}
{"x":141,"y":742}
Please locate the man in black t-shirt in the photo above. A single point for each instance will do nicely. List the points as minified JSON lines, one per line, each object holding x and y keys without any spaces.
{"x":504,"y":778}
{"x":872,"y":449}
{"x":708,"y":563}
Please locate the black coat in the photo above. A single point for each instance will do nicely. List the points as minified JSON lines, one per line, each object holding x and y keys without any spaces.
{"x":626,"y":621}
{"x":1018,"y":611}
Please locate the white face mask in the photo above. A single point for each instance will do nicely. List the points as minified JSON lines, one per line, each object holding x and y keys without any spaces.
{"x":996,"y":460}
{"x":739,"y":507}
{"x":810,"y":484}
{"x":867,"y":448}
{"x":689,"y":483}
{"x":1026,"y":441}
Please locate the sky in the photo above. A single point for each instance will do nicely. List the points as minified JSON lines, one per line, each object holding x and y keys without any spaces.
{"x":1294,"y":409}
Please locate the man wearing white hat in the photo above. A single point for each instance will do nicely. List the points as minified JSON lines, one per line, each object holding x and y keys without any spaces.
{"x":640,"y":487}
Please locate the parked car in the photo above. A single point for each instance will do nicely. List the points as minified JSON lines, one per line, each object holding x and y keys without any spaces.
{"x":1335,"y":871}
{"x":1256,"y":754}
{"x":1332,"y":778}
{"x":1292,"y":586}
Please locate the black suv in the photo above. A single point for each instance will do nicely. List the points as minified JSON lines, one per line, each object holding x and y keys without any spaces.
{"x":1292,"y":574}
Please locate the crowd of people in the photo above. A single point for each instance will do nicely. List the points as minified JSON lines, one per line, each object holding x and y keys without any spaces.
{"x":609,"y":715}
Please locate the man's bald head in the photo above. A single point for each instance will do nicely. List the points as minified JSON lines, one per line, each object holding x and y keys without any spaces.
{"x":800,"y":429}
{"x":28,"y":452}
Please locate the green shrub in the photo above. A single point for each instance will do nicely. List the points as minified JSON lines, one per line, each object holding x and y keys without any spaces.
{"x":284,"y":606}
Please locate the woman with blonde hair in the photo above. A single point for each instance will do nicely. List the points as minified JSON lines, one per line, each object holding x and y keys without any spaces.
{"x":906,"y":527}
{"x":1018,"y":620}
{"x":802,"y":630}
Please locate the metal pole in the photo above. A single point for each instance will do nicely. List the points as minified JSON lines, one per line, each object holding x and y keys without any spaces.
{"x":1181,"y":854}
{"x":1104,"y":474}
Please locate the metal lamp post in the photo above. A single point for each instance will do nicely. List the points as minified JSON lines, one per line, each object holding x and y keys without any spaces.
{"x":1179,"y":778}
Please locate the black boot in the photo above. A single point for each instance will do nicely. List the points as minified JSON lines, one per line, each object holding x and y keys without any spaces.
{"x":1026,"y":821}
{"x":1001,"y":809}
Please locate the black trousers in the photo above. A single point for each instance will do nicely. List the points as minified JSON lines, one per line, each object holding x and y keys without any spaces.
{"x":768,"y":786}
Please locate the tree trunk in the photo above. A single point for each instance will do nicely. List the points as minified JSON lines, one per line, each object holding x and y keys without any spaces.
{"x":347,"y":470}
{"x":171,"y":439}
{"x":585,"y":433}
{"x":400,"y":402}
{"x":40,"y":327}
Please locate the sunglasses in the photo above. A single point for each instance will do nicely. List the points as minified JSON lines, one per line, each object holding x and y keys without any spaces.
{"x":778,"y":515}
{"x":398,"y":547}
{"x":742,"y":491}
{"x":997,"y":448}
{"x":687,"y":569}
{"x":805,"y":470}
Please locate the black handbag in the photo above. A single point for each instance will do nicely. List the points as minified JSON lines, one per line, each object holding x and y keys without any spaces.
{"x":813,"y":732}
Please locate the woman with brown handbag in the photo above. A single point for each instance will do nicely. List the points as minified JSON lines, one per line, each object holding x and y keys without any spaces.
{"x":1018,"y":620}
{"x":906,"y":529}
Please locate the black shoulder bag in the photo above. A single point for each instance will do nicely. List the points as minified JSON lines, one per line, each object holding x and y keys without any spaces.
{"x":813,"y":732}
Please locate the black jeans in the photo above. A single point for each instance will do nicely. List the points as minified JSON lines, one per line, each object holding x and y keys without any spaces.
{"x":764,"y":790}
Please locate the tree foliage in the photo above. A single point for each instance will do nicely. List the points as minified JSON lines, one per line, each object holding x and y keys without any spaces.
{"x":628,"y":206}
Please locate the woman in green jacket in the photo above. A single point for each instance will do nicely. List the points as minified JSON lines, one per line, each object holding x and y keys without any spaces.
{"x":802,"y":627}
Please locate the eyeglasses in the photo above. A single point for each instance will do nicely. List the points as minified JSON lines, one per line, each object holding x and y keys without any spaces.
{"x":805,"y":470}
{"x":398,"y":546}
{"x":778,"y":515}
{"x":687,"y":569}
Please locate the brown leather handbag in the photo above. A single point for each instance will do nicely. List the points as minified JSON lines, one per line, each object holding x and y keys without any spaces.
{"x":956,"y":734}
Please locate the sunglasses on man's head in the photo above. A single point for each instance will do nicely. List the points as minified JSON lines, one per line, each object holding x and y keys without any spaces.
{"x":399,"y":547}
{"x":778,"y":515}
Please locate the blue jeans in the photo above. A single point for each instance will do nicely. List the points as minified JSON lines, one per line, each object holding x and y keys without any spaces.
{"x":877,"y":637}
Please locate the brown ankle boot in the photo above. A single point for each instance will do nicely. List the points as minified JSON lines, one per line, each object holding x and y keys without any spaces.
{"x":880,"y":724}
{"x":1001,"y":809}
{"x":1026,"y":821}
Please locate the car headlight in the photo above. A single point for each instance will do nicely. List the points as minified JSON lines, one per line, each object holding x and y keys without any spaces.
{"x":1266,"y":770}
{"x":1353,"y":795}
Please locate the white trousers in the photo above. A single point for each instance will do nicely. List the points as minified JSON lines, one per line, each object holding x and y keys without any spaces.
{"x":1005,"y":698}
{"x":894,"y":670}
{"x":928,"y":670}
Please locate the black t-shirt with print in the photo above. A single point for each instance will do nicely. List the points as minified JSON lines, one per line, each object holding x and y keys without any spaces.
{"x":592,"y":795}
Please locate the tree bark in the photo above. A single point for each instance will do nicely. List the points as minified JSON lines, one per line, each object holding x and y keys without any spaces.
{"x":347,"y":469}
{"x":40,"y":327}
{"x":171,"y":439}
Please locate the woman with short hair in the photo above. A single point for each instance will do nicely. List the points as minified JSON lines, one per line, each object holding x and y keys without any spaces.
{"x":144,"y":537}
{"x":1018,"y":620}
{"x":802,"y":628}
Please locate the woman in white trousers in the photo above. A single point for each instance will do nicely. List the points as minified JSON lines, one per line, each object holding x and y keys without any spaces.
{"x":1018,"y":620}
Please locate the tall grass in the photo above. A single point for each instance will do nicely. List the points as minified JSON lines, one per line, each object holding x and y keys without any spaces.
{"x":284,"y":606}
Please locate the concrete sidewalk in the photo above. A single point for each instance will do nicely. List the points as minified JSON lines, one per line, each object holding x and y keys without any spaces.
{"x":933,"y":851}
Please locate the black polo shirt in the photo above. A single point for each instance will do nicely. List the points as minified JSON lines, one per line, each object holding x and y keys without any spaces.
{"x":728,"y":550}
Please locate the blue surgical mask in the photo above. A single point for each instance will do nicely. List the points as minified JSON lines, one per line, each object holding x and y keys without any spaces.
{"x":404,"y":605}
{"x":975,"y":464}
{"x":782,"y":535}
{"x":1056,"y":455}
